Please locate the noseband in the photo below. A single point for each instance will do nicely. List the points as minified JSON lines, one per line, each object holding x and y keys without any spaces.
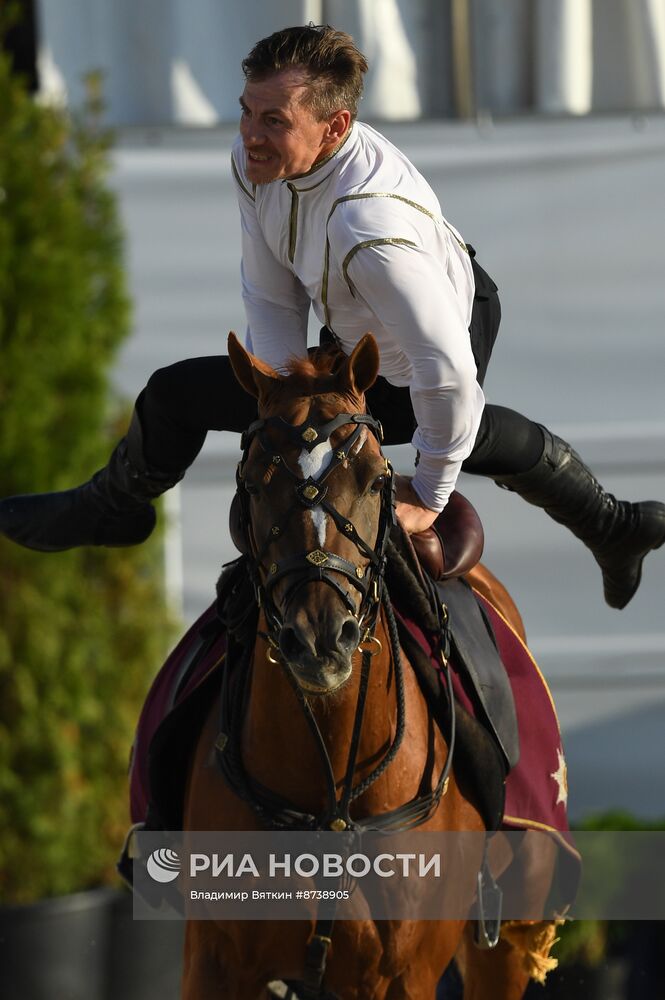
{"x":312,"y":493}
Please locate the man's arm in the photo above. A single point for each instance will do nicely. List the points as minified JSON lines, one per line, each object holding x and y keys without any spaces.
{"x":275,"y":302}
{"x":411,"y":295}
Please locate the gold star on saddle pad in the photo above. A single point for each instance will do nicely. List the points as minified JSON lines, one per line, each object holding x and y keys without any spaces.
{"x":561,"y":778}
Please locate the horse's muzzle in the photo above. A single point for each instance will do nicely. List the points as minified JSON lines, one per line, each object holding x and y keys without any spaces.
{"x":319,"y":652}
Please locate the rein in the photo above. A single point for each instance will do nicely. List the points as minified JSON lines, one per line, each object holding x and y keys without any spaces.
{"x":273,"y":810}
{"x":276,"y":812}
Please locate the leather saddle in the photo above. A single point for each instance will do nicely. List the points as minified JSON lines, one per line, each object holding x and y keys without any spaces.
{"x":454,"y":543}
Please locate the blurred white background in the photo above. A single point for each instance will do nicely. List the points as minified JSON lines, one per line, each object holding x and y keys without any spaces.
{"x":538,"y":124}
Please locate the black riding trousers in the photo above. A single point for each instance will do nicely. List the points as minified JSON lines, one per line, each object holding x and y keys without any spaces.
{"x":183,"y":401}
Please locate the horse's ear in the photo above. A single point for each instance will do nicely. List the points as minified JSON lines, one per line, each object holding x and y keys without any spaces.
{"x":360,"y":369}
{"x":255,"y":376}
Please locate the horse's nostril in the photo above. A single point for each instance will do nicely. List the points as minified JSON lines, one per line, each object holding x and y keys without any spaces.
{"x":289,"y":643}
{"x":349,"y":635}
{"x":336,"y":637}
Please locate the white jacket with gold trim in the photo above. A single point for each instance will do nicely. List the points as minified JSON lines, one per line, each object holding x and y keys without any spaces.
{"x":361,"y":239}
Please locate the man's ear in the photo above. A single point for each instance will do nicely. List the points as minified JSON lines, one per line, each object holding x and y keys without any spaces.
{"x":360,"y":369}
{"x":339,"y":124}
{"x":255,"y":376}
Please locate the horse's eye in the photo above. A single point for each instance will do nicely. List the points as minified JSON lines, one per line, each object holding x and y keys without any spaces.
{"x":251,"y":488}
{"x":378,"y":484}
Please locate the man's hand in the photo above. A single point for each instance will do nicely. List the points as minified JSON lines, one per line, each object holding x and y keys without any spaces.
{"x":410,"y":510}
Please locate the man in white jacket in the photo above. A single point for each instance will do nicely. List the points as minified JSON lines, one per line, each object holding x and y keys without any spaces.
{"x":335,"y":218}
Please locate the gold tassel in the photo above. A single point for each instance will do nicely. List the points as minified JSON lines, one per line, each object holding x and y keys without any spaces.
{"x":533,"y":940}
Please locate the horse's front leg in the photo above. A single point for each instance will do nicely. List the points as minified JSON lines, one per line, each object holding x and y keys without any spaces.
{"x":417,"y":985}
{"x":498,"y":974}
{"x":430,"y":946}
{"x":211,"y":972}
{"x":202,"y":978}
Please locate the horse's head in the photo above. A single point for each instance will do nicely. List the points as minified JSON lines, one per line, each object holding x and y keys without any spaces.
{"x":315,"y":499}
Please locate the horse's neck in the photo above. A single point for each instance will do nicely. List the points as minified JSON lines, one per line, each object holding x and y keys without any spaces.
{"x":279,"y":749}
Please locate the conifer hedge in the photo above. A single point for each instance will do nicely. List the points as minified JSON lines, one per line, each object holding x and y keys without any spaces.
{"x":81,"y":632}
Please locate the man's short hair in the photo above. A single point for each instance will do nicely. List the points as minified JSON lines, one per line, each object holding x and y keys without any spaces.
{"x":331,"y":58}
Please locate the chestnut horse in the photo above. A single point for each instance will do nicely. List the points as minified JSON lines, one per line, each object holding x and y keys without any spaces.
{"x":316,"y":497}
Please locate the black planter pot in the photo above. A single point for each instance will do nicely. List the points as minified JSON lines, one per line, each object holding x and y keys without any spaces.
{"x":144,"y":957}
{"x":56,"y":949}
{"x":573,"y":982}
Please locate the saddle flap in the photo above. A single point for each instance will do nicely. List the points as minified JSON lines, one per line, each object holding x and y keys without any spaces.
{"x":454,"y":543}
{"x":475,"y":645}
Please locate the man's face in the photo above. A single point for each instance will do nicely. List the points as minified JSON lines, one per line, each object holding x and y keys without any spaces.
{"x":282,"y":138}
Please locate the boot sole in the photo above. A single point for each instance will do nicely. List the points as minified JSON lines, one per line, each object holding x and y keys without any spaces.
{"x":652,"y":505}
{"x":654,"y":548}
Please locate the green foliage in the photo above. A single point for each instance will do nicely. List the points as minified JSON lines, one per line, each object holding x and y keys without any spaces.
{"x":582,"y":941}
{"x":82,"y":632}
{"x":587,"y":941}
{"x":620,"y":820}
{"x":63,"y":304}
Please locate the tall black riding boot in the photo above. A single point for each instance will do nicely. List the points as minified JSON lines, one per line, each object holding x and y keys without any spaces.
{"x":620,"y":534}
{"x":113,"y":508}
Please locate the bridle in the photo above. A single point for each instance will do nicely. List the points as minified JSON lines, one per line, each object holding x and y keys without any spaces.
{"x":367,"y":578}
{"x":320,"y":565}
{"x":317,"y":564}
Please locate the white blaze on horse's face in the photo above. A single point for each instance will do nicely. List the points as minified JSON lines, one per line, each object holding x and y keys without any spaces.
{"x":314,"y":463}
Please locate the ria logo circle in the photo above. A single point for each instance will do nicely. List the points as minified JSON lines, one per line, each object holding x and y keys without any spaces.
{"x":163,"y":865}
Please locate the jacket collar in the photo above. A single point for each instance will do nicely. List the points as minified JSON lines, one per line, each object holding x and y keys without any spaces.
{"x":331,"y":161}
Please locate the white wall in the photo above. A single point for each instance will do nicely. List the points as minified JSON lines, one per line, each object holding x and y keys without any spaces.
{"x":178,"y":61}
{"x":503,"y":55}
{"x":164,"y":61}
{"x":393,"y":35}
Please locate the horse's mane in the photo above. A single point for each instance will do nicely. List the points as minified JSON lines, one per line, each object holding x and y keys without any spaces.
{"x":321,"y":361}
